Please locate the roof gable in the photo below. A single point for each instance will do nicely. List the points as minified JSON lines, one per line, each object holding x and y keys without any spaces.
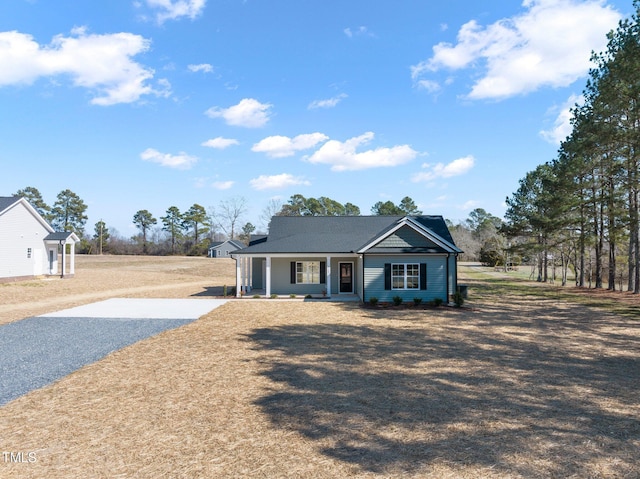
{"x":414,"y":234}
{"x":9,"y":202}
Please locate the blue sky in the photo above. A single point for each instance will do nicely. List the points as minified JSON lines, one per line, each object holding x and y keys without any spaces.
{"x":147,"y":104}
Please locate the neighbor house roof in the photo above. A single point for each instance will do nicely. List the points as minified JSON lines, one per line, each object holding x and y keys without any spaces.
{"x":341,"y":234}
{"x":62,"y":236}
{"x":218,"y":244}
{"x":6,"y":201}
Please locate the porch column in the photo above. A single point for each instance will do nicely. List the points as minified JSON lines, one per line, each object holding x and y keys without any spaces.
{"x":249,"y":275}
{"x":238,"y":275}
{"x":328,"y":273}
{"x":267,"y":287}
{"x":64,"y":261}
{"x":72,"y":263}
{"x":245,"y":275}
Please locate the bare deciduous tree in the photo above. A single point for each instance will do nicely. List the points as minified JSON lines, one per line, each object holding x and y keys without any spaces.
{"x":228,"y":213}
{"x":272,"y":209}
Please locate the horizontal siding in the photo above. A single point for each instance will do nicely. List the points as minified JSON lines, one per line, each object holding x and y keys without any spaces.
{"x":281,"y":278}
{"x":19,"y":230}
{"x":436,"y":277}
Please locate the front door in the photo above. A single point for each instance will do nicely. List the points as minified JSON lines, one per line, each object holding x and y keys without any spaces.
{"x":346,"y":277}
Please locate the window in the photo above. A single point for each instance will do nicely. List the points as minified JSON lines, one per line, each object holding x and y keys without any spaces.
{"x":405,"y":276}
{"x":308,"y":272}
{"x":28,"y":252}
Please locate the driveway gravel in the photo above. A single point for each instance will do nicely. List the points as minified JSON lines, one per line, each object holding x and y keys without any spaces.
{"x":37,"y":351}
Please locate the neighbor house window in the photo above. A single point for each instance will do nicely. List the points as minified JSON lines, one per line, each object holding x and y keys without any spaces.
{"x":308,"y":272}
{"x":28,"y":252}
{"x":405,"y":276}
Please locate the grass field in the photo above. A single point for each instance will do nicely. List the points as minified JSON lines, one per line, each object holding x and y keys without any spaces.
{"x":527,"y":381}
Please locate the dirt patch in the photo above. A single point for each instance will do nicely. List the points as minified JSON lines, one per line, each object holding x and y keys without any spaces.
{"x":519,"y":386}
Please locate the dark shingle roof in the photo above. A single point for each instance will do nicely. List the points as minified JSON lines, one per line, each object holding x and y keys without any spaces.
{"x":6,"y":201}
{"x":58,"y":236}
{"x":333,"y":234}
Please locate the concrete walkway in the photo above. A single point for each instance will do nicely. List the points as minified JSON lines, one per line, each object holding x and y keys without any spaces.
{"x":37,"y":351}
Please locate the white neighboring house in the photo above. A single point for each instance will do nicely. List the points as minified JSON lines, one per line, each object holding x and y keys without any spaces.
{"x":29,"y":246}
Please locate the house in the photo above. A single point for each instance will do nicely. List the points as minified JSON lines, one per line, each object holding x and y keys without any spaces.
{"x":29,"y":246}
{"x":223,"y":249}
{"x":354,"y":256}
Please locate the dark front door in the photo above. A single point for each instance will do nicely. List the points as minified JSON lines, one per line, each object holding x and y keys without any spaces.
{"x":346,"y":277}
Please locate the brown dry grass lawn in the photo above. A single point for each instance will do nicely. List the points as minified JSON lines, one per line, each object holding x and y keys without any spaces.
{"x":518,"y":385}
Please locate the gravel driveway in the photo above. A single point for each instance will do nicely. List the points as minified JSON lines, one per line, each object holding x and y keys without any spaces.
{"x":37,"y":351}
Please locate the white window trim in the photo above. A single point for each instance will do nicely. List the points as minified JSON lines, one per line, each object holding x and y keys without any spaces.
{"x":405,"y":276}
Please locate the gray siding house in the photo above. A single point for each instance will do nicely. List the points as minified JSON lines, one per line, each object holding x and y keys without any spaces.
{"x":362,"y":256}
{"x":223,"y":249}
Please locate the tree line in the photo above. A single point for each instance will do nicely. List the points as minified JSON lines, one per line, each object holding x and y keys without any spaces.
{"x":580,"y":211}
{"x":194,"y":230}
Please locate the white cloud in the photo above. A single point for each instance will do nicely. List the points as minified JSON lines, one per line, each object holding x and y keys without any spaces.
{"x":429,"y":85}
{"x":469,"y":205}
{"x":360,"y":31}
{"x":284,"y":180}
{"x":181,"y":161}
{"x":175,"y":9}
{"x":101,"y":63}
{"x":220,"y":143}
{"x":562,"y":126}
{"x":342,"y":156}
{"x":547,"y":45}
{"x":440,"y":170}
{"x":223,"y":185}
{"x":283,"y":146}
{"x":328,"y":103}
{"x":249,"y":113}
{"x":201,"y":67}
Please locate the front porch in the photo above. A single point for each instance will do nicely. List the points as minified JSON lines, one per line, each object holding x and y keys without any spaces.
{"x":285,"y":276}
{"x":58,"y":261}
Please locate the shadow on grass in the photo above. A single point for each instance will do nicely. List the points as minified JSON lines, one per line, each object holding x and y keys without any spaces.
{"x":210,"y":291}
{"x":550,"y":393}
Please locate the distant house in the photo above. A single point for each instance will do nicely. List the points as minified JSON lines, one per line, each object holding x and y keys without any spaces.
{"x":29,"y":246}
{"x":362,"y":256}
{"x":223,"y":249}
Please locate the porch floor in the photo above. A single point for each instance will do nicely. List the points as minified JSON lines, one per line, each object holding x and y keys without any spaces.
{"x":335,"y":297}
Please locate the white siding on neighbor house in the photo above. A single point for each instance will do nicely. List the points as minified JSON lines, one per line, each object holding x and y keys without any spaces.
{"x":436,"y":277}
{"x":19,"y":232}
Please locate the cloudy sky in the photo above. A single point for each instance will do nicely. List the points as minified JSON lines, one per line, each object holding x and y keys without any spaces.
{"x":148,"y":104}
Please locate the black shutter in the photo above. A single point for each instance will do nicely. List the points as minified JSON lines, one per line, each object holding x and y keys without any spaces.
{"x":293,"y":272}
{"x":323,"y":272}
{"x":423,"y":275}
{"x":387,"y":276}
